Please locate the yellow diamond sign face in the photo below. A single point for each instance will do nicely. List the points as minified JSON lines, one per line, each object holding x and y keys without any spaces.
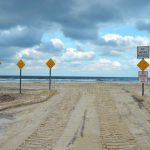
{"x":143,"y":64}
{"x":20,"y":64}
{"x":50,"y":63}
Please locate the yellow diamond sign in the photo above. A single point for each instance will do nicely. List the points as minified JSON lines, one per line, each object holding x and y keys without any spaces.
{"x":143,"y":64}
{"x":20,"y":64}
{"x":50,"y":63}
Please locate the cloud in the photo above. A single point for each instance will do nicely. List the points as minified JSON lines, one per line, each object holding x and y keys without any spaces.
{"x":103,"y":42}
{"x":143,"y":26}
{"x":33,"y":13}
{"x":7,"y":54}
{"x":20,"y":36}
{"x":81,"y":34}
{"x":115,"y":53}
{"x":72,"y":54}
{"x":53,"y":47}
{"x":49,"y":49}
{"x":104,"y":65}
{"x":133,"y":62}
{"x":76,"y":19}
{"x":118,"y":45}
{"x":130,"y":41}
{"x":23,"y":25}
{"x":57,"y":43}
{"x":85,"y":22}
{"x":36,"y":57}
{"x":101,"y":12}
{"x":12,"y":53}
{"x":29,"y":54}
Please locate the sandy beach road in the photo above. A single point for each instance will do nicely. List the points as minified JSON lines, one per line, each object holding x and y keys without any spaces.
{"x":80,"y":116}
{"x":18,"y":123}
{"x":74,"y":125}
{"x":82,"y":130}
{"x":135,"y":114}
{"x":50,"y":129}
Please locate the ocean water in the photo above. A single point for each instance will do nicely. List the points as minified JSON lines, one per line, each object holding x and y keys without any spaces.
{"x":69,"y":79}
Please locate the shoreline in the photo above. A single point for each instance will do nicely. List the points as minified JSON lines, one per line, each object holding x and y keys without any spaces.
{"x":69,"y":79}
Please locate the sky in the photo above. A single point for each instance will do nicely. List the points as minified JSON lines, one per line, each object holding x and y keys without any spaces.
{"x":83,"y":37}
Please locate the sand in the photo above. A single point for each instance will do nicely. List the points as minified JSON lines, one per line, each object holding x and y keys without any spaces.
{"x":74,"y":116}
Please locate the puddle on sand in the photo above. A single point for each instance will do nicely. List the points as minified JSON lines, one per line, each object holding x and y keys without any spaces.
{"x":6,"y":120}
{"x":6,"y":116}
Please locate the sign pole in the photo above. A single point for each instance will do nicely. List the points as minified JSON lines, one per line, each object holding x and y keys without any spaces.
{"x":50,"y":79}
{"x":143,"y":52}
{"x":142,"y":85}
{"x":20,"y":81}
{"x":20,"y":65}
{"x":142,"y":89}
{"x":50,"y":63}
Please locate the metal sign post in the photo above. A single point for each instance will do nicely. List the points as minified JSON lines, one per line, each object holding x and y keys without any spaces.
{"x":50,"y":79}
{"x":20,"y":64}
{"x":50,"y":63}
{"x":143,"y":52}
{"x":142,"y":89}
{"x":142,"y":65}
{"x":20,"y":81}
{"x":143,"y":78}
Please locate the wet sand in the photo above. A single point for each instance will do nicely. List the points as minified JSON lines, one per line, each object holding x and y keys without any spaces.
{"x":74,"y":116}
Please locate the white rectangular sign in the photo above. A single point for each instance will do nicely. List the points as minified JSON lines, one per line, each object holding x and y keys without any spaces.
{"x":142,"y":52}
{"x":143,"y":76}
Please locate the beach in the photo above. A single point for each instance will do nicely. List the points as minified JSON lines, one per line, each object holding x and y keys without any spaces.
{"x":74,"y":116}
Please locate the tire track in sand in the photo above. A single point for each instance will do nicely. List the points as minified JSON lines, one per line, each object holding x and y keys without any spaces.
{"x":82,"y":131}
{"x":115,"y":134}
{"x":135,"y":116}
{"x":49,"y":131}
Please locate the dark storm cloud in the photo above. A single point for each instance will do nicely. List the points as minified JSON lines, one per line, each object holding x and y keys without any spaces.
{"x":143,"y":26}
{"x":100,"y":13}
{"x":32,"y":12}
{"x":75,"y":17}
{"x":20,"y":37}
{"x":132,"y":10}
{"x":84,"y":24}
{"x":81,"y":33}
{"x":6,"y":54}
{"x":134,"y":4}
{"x":78,"y":19}
{"x":76,"y":23}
